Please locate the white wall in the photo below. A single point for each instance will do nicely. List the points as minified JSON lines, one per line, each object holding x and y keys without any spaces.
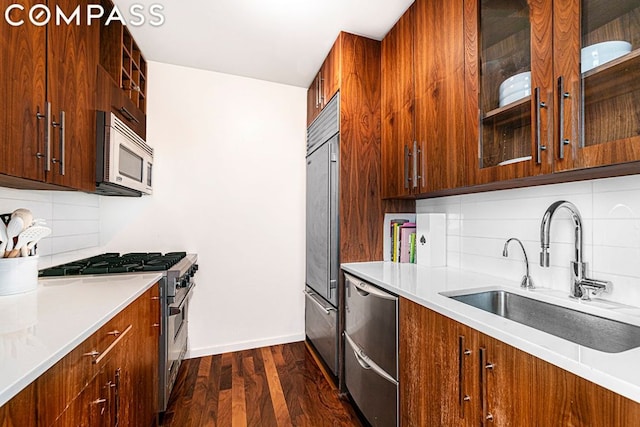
{"x":479,"y":224}
{"x":229,"y":169}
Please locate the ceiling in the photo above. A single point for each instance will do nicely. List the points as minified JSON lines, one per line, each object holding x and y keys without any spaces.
{"x":283,"y":41}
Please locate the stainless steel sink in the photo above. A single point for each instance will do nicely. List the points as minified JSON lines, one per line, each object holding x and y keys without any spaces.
{"x":599,"y":333}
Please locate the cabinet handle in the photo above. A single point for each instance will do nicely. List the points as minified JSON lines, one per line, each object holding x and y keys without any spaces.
{"x":462,"y":397}
{"x":562,"y":97}
{"x":416,"y":150}
{"x":155,"y":298}
{"x":324,"y":309}
{"x":97,"y":356}
{"x":321,"y":89}
{"x":539,"y":105}
{"x":484,"y":367}
{"x":318,"y":90}
{"x":117,"y":398}
{"x":47,"y":136}
{"x":407,"y":179}
{"x":128,"y":115}
{"x":61,"y":126}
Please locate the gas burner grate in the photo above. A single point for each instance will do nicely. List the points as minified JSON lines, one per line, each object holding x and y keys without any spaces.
{"x":112,"y":263}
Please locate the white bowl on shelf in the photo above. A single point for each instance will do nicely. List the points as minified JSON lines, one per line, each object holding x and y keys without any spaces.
{"x":514,"y":97}
{"x":515,"y":83}
{"x":601,"y":53}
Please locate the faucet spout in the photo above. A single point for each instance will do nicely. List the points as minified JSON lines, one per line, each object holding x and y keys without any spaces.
{"x":526,"y":282}
{"x":545,"y":231}
{"x":580,"y":284}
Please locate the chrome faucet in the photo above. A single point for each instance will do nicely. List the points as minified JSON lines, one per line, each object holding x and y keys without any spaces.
{"x":526,"y":282}
{"x":580,"y":284}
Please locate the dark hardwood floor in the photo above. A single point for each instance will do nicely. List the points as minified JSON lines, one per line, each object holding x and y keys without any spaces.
{"x":280,"y":385}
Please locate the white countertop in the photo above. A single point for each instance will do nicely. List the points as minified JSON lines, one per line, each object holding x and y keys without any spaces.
{"x":615,"y":371}
{"x":39,"y":328}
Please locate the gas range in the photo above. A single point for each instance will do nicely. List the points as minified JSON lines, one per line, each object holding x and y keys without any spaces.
{"x":178,"y":267}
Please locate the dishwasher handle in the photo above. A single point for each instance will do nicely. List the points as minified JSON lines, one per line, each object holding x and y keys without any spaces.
{"x":312,"y":297}
{"x":366,"y":362}
{"x":366,"y":289}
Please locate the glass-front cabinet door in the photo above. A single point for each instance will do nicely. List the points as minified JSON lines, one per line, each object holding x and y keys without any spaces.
{"x":597,"y":67}
{"x":513,"y":64}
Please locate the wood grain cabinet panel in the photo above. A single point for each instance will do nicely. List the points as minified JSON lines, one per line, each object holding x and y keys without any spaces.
{"x":398,"y":111}
{"x":22,"y":91}
{"x":71,"y":70}
{"x":423,"y":101}
{"x":325,"y":84}
{"x":453,"y":375}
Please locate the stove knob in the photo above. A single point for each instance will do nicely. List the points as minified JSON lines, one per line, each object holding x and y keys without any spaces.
{"x":185,"y":282}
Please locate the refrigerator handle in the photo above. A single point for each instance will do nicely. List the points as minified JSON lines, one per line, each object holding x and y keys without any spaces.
{"x":311,"y":296}
{"x":367,"y":363}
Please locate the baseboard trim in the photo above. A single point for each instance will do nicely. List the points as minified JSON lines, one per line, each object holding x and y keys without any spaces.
{"x":243,"y":345}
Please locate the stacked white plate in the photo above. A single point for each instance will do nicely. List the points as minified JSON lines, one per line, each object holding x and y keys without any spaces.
{"x":601,"y":53}
{"x":515,"y":88}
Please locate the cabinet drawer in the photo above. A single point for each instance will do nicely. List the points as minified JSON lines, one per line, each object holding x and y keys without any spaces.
{"x":321,"y":321}
{"x":371,"y":322}
{"x":376,"y":397}
{"x":77,"y":369}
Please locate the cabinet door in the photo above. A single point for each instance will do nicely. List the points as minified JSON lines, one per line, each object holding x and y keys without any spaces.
{"x":73,"y":52}
{"x":398,"y":119}
{"x":509,"y":68}
{"x":429,"y":364}
{"x":440,"y":95}
{"x":330,"y":73}
{"x":22,"y":91}
{"x":313,"y":100}
{"x":597,"y":84}
{"x":506,"y":384}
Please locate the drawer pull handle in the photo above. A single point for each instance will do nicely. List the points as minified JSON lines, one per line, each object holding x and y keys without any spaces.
{"x":93,"y":354}
{"x":99,"y":356}
{"x":115,"y":333}
{"x":155,"y":298}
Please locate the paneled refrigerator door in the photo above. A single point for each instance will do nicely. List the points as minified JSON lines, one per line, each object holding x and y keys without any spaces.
{"x":321,"y":217}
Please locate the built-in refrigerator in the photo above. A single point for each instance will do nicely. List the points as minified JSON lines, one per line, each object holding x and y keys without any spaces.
{"x":322,"y":234}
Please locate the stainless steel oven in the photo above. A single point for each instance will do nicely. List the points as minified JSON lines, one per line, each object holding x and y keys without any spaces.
{"x":177,"y":337}
{"x":178,"y":285}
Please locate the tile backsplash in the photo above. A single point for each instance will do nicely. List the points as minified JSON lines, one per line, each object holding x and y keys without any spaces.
{"x":74,"y":218}
{"x":479,"y":224}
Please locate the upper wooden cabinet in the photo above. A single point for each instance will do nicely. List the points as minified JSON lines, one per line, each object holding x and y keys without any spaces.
{"x":325,"y":84}
{"x":23,"y":58}
{"x":399,"y":145}
{"x":49,"y":99}
{"x":423,"y":100}
{"x":570,"y":116}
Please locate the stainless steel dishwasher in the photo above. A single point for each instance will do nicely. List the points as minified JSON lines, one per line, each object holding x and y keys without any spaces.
{"x":371,"y":351}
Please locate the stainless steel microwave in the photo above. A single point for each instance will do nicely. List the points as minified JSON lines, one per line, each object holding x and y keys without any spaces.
{"x":124,"y":161}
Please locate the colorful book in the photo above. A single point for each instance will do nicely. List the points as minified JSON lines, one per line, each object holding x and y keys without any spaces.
{"x":406,"y":230}
{"x":395,"y":237}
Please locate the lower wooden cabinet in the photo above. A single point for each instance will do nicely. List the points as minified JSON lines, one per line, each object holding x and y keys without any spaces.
{"x":110,"y":379}
{"x":453,"y":375}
